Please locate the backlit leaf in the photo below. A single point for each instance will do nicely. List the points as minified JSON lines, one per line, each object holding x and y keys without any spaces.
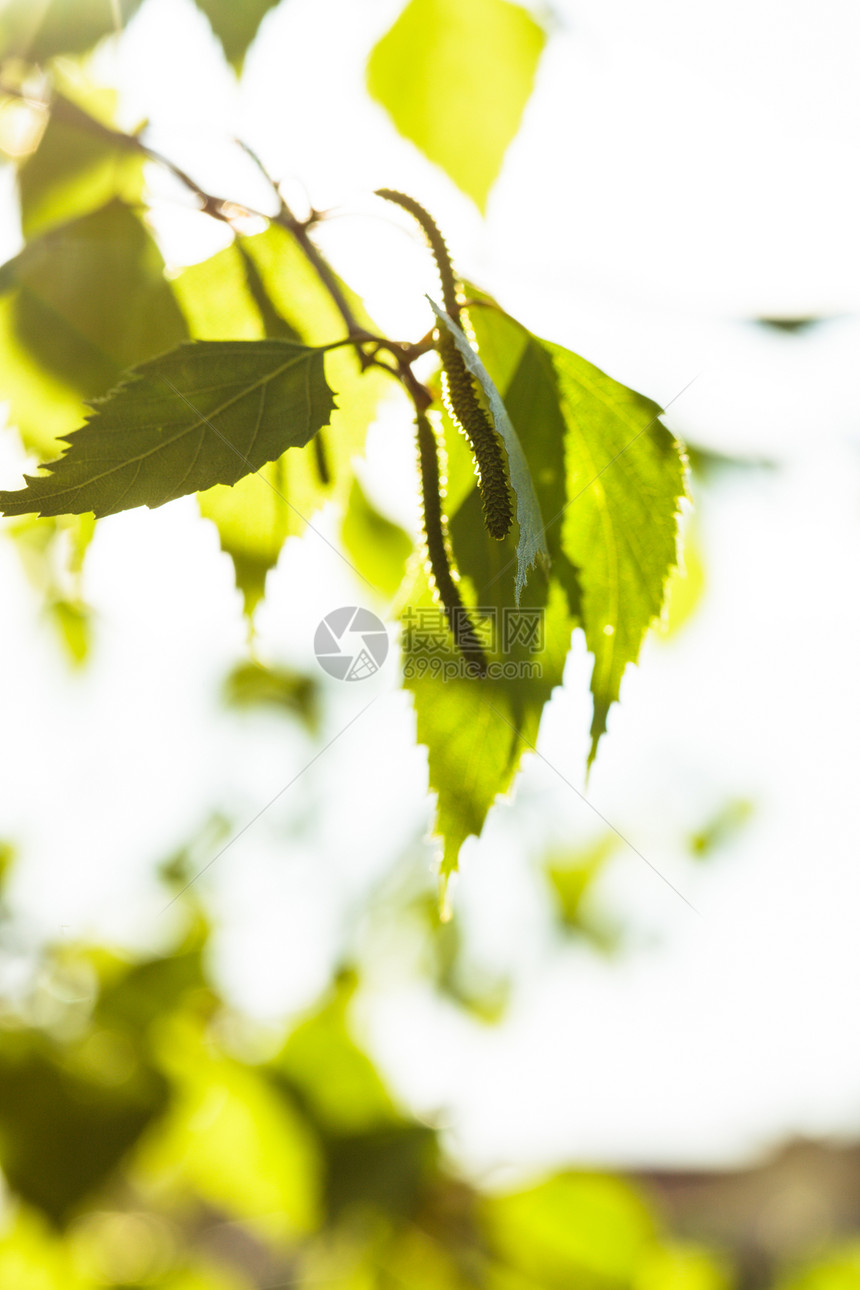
{"x":625,"y":481}
{"x":455,"y":78}
{"x":208,"y":412}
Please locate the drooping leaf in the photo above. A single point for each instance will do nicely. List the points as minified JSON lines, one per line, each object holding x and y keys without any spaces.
{"x":625,"y":481}
{"x":531,"y":546}
{"x":610,"y":505}
{"x":477,"y":729}
{"x":235,"y":24}
{"x":35,"y":32}
{"x":455,"y":78}
{"x":76,"y":168}
{"x":79,"y":306}
{"x":206,"y":413}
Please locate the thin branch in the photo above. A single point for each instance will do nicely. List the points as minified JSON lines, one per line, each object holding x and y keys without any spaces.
{"x":223,"y":209}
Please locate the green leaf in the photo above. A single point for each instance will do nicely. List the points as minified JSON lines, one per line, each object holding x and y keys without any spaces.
{"x":377,"y":548}
{"x":455,"y":78}
{"x":323,"y":1067}
{"x":477,"y":729}
{"x":230,"y":1139}
{"x":36,"y":32}
{"x":625,"y":481}
{"x":63,"y":1130}
{"x":77,"y":307}
{"x":235,"y":24}
{"x":531,"y":546}
{"x":573,"y":1229}
{"x":572,"y":875}
{"x":251,"y":685}
{"x":75,"y":169}
{"x":208,"y":412}
{"x":611,"y":504}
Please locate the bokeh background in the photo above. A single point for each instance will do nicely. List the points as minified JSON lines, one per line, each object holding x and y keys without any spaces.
{"x":631,"y":1057}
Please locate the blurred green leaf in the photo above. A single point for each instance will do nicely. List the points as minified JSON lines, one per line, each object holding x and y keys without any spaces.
{"x":835,"y":1269}
{"x":77,"y":307}
{"x":722,"y":828}
{"x":251,"y":685}
{"x":229,"y":1139}
{"x":235,"y":23}
{"x":587,"y":1230}
{"x":63,"y":1131}
{"x":572,"y":876}
{"x":682,"y":1267}
{"x":387,"y":1168}
{"x":52,"y":554}
{"x":207,"y":412}
{"x":76,"y":169}
{"x":35,"y":32}
{"x":377,"y":548}
{"x":455,"y":79}
{"x":334,"y":1081}
{"x":73,"y":620}
{"x":33,"y":1256}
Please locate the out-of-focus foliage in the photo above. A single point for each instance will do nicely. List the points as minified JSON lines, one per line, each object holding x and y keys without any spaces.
{"x":253,"y":685}
{"x":36,"y":32}
{"x":455,"y":79}
{"x":572,"y":876}
{"x":74,"y":169}
{"x":235,"y":23}
{"x":722,"y":828}
{"x":152,"y":1136}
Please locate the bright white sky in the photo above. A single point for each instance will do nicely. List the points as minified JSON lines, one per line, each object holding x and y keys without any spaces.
{"x":681,"y":168}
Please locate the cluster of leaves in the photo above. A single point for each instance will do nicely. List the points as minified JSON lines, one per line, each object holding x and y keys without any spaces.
{"x":150,"y":1135}
{"x":251,"y":380}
